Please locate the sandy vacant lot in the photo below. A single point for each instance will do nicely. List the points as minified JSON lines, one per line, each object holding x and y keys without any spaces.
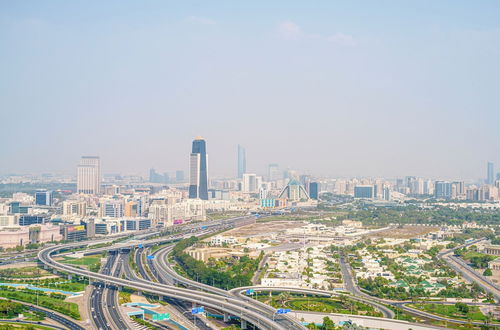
{"x":263,"y":228}
{"x":19,"y":265}
{"x":404,"y":232}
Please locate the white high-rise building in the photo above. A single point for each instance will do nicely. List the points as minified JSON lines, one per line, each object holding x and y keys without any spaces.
{"x":89,"y":175}
{"x":249,"y":183}
{"x":111,"y":208}
{"x":74,"y":208}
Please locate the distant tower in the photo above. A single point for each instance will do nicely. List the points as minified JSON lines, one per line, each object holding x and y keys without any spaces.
{"x":179,"y":176}
{"x":274,"y":172}
{"x":89,"y":175}
{"x":490,"y":179}
{"x":198,"y":184}
{"x":314,"y":190}
{"x":242,"y":161}
{"x":153,"y":176}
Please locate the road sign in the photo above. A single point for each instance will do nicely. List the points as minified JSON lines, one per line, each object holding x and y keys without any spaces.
{"x":249,"y":291}
{"x":141,"y":246}
{"x":197,"y":310}
{"x":151,"y":257}
{"x":283,"y":311}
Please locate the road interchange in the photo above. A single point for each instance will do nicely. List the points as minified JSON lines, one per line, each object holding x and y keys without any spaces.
{"x":244,"y":309}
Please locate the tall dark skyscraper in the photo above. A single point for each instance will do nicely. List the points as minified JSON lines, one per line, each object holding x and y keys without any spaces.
{"x":242,"y":161}
{"x":314,"y":190}
{"x":198,"y":180}
{"x":490,"y":173}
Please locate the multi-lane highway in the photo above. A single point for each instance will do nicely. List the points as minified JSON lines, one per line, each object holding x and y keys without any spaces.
{"x":111,"y":296}
{"x":97,"y":298}
{"x":182,"y":307}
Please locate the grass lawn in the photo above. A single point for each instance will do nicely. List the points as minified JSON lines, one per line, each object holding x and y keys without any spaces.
{"x":223,"y":215}
{"x":451,"y":311}
{"x":124,"y":297}
{"x":92,"y":263}
{"x":84,"y":261}
{"x":471,"y":254}
{"x":43,"y":300}
{"x":21,"y":326}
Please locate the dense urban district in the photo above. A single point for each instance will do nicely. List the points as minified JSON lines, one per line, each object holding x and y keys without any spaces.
{"x":282,"y":250}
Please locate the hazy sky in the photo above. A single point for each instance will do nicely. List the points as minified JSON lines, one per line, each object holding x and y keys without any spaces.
{"x":347,"y":88}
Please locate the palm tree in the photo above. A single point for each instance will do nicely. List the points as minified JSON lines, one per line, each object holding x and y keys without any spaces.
{"x":283,"y":297}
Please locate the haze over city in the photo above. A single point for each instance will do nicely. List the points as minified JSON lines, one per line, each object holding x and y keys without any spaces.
{"x":338,"y":89}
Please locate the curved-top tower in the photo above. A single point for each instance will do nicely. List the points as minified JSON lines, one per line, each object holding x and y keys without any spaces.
{"x":198,"y":182}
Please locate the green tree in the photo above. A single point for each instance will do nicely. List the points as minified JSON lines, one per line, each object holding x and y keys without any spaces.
{"x":283,"y":297}
{"x":328,"y":324}
{"x":462,"y":307}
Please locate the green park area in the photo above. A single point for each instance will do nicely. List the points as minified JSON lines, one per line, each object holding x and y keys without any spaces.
{"x":28,"y":272}
{"x":341,"y":304}
{"x":52,"y":301}
{"x":474,"y":258}
{"x":11,"y":309}
{"x":459,"y":310}
{"x":225,"y":273}
{"x":39,"y":277}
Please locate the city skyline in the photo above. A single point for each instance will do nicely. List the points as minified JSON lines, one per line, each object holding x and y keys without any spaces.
{"x":383,"y":93}
{"x":490,"y":175}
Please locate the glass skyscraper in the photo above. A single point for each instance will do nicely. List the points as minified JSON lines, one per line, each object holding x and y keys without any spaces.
{"x":490,"y":179}
{"x":314,"y":190}
{"x":242,"y":161}
{"x":198,"y":184}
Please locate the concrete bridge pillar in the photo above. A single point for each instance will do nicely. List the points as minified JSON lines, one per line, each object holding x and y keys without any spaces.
{"x":243,"y":324}
{"x":226,"y":317}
